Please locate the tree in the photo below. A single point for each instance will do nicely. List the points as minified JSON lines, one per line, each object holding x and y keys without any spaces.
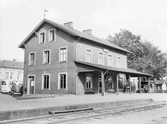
{"x":143,"y":56}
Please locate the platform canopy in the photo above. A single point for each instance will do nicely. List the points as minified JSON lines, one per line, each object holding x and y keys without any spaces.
{"x":88,"y":67}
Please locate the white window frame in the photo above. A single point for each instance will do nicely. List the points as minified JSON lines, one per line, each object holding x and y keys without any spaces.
{"x":66,"y":57}
{"x":29,"y":61}
{"x":49,"y":37}
{"x":18,"y":75}
{"x":111,"y":64}
{"x":43,"y":81}
{"x":99,"y":58}
{"x":91,"y":85}
{"x":7,"y":76}
{"x":40,"y":37}
{"x":119,"y":65}
{"x":60,"y":82}
{"x":46,"y":57}
{"x":86,"y":55}
{"x":12,"y":75}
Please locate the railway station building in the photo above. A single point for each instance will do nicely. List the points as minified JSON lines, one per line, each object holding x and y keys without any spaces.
{"x":61,"y":60}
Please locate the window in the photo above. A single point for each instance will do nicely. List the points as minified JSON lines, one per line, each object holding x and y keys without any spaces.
{"x":63,"y":54}
{"x":62,"y":80}
{"x":46,"y":81}
{"x":88,"y":55}
{"x":32,"y":59}
{"x":109,"y":60}
{"x":100,"y":58}
{"x":18,"y":76}
{"x":42,"y":37}
{"x":119,"y":62}
{"x":11,"y":75}
{"x":52,"y":35}
{"x":88,"y":83}
{"x":7,"y":75}
{"x":46,"y":57}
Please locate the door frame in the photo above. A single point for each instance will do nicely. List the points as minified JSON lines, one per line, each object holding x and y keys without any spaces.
{"x":28,"y":83}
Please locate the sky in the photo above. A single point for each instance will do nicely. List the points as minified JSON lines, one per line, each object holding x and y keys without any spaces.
{"x":18,"y":18}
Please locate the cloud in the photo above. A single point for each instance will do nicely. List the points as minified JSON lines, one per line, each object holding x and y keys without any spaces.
{"x":7,"y":4}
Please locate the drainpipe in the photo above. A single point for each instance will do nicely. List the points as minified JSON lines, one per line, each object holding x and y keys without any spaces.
{"x":75,"y":66}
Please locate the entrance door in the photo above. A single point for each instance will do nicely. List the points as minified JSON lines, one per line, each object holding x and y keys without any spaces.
{"x":99,"y":85}
{"x":31,"y":85}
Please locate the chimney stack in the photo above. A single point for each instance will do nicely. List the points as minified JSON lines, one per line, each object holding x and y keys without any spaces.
{"x":88,"y":31}
{"x":14,"y":60}
{"x":69,"y":24}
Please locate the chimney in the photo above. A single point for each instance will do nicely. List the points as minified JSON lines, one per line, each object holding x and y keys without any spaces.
{"x":69,"y":24}
{"x":14,"y":60}
{"x":88,"y":31}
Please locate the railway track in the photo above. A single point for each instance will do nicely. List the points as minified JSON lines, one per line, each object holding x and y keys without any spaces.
{"x":81,"y":114}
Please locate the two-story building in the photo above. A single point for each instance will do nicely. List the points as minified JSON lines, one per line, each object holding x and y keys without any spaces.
{"x":11,"y":70}
{"x":61,"y":60}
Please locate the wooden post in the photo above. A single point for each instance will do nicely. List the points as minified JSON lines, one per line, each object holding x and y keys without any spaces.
{"x":130,"y":85}
{"x":117,"y":89}
{"x":148,"y":84}
{"x":140,"y":84}
{"x":103,"y":85}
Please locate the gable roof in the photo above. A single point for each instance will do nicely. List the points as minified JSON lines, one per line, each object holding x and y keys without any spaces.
{"x":159,"y":81}
{"x":11,"y":64}
{"x":72,"y":32}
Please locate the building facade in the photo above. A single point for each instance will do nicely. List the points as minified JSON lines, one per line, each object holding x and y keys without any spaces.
{"x":11,"y":71}
{"x":61,"y":60}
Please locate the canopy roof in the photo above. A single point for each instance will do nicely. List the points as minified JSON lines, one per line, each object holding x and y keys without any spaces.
{"x":115,"y":69}
{"x":159,"y":81}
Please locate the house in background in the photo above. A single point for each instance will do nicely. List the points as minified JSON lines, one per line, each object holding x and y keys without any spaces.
{"x":144,"y":82}
{"x":160,"y":85}
{"x":11,"y":70}
{"x":61,"y":60}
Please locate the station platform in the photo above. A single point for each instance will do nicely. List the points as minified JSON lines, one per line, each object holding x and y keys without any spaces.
{"x":40,"y":105}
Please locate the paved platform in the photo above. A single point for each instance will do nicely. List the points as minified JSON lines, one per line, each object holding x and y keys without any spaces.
{"x":16,"y":109}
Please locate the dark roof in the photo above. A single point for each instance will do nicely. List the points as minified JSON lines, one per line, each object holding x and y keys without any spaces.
{"x":11,"y":64}
{"x":159,"y":81}
{"x":115,"y":69}
{"x":72,"y":32}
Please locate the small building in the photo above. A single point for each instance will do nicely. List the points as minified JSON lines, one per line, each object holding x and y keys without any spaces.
{"x":61,"y":60}
{"x":160,"y":85}
{"x":11,"y":70}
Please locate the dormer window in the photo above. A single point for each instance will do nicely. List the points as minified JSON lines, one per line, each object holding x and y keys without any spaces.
{"x":42,"y":37}
{"x":52,"y":35}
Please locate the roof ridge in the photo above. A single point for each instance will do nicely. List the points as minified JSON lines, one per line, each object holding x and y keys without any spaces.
{"x":73,"y":32}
